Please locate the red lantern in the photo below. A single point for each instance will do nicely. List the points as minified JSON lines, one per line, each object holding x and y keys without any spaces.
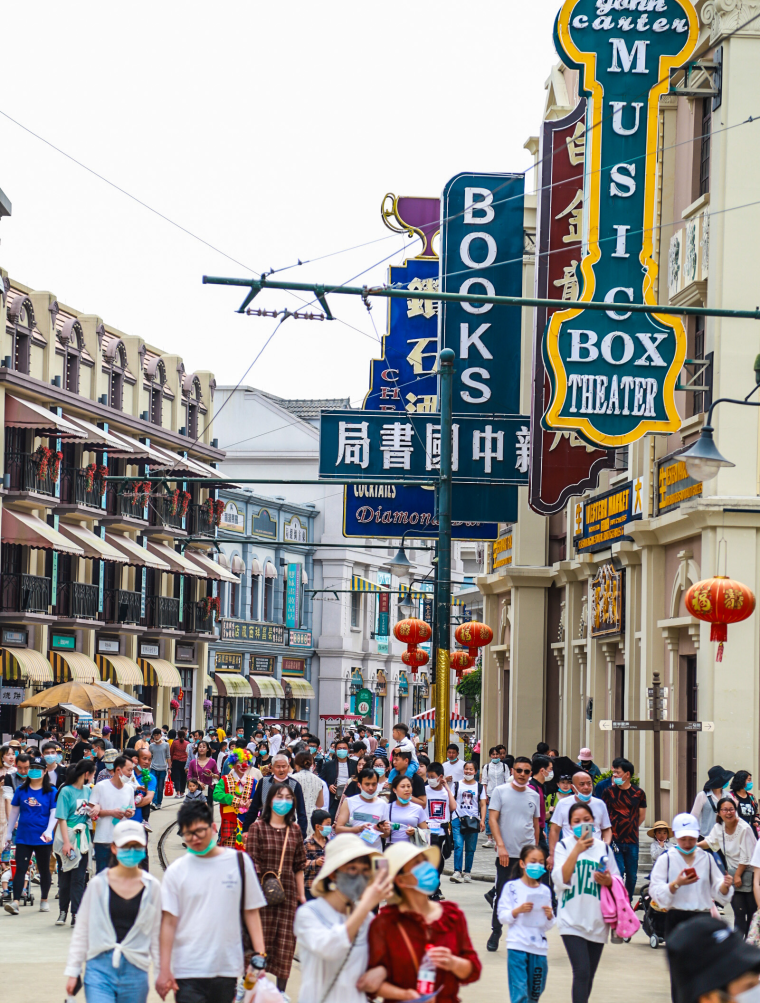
{"x":720,"y":601}
{"x":460,"y":661}
{"x":412,"y":631}
{"x":414,"y":658}
{"x":473,"y":635}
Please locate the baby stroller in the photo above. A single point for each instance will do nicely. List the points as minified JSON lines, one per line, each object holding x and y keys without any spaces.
{"x":653,"y":922}
{"x":27,"y":895}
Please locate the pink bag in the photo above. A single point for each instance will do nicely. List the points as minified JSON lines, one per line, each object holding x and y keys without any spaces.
{"x":617,"y":911}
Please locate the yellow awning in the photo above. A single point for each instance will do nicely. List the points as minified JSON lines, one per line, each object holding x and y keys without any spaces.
{"x":178,"y":563}
{"x":73,"y":665}
{"x":212,"y":569}
{"x":119,"y":669}
{"x":136,"y":554}
{"x":22,"y":527}
{"x":91,"y":543}
{"x":26,"y":663}
{"x":232,"y":684}
{"x":300,"y":689}
{"x":359,"y":584}
{"x":214,"y":689}
{"x":159,"y":672}
{"x":266,"y":686}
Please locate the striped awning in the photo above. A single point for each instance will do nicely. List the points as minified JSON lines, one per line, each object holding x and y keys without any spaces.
{"x":359,"y":584}
{"x":404,"y":590}
{"x":178,"y":563}
{"x":212,"y":569}
{"x":26,"y":663}
{"x":73,"y":665}
{"x":136,"y":554}
{"x":91,"y":543}
{"x":119,"y":669}
{"x":298,"y":689}
{"x":159,"y":672}
{"x":232,"y":684}
{"x":25,"y":528}
{"x":26,"y":414}
{"x":266,"y":687}
{"x":428,"y":716}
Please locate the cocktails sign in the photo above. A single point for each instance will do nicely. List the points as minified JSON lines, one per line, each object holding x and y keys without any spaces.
{"x":613,"y":373}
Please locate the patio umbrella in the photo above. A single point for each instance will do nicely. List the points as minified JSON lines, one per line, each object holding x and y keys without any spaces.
{"x":90,"y":698}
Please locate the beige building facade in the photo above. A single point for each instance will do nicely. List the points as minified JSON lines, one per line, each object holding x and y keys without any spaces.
{"x":579,"y":630}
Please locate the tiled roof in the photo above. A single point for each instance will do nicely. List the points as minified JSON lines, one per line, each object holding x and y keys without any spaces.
{"x":310,"y":408}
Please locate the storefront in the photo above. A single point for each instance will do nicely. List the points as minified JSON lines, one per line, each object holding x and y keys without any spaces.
{"x":298,"y":690}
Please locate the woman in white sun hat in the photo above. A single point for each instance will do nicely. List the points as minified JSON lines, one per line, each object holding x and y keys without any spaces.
{"x":685,"y":879}
{"x":332,"y":929}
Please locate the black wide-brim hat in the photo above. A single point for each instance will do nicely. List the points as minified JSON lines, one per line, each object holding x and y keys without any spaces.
{"x":705,"y":954}
{"x":717,"y":777}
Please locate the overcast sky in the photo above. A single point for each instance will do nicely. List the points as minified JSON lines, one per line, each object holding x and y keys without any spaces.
{"x":271,"y":131}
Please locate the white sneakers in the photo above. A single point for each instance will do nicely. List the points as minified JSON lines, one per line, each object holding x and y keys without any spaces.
{"x":12,"y":908}
{"x":489,"y":844}
{"x":456,"y":877}
{"x":467,"y":878}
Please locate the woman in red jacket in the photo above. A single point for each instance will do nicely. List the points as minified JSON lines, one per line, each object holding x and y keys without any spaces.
{"x":401,"y":931}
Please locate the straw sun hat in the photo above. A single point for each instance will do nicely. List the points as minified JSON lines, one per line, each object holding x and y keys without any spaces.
{"x":660,"y":825}
{"x":398,"y":855}
{"x":339,"y":851}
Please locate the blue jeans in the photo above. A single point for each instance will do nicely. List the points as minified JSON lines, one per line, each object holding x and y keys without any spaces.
{"x":463,"y":840}
{"x":158,"y":797}
{"x":105,"y":984}
{"x":102,"y":856}
{"x":526,"y":974}
{"x":488,"y":823}
{"x":627,"y":860}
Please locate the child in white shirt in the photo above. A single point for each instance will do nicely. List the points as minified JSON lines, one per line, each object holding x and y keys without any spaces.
{"x":525,"y":909}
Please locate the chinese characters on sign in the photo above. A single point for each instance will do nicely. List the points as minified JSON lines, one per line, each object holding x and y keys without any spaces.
{"x":600,"y":520}
{"x":502,"y":552}
{"x":228,"y":661}
{"x":252,"y":630}
{"x":606,"y":601}
{"x":614,"y":373}
{"x":293,"y":596}
{"x":299,"y":639}
{"x":674,"y":486}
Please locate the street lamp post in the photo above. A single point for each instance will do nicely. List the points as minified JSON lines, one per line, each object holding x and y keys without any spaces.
{"x":443,"y":585}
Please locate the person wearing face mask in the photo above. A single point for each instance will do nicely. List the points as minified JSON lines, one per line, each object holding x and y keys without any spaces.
{"x":705,"y":807}
{"x":468,"y":820}
{"x":746,"y":803}
{"x":440,"y":804}
{"x":454,"y":765}
{"x":587,"y":764}
{"x":53,"y":757}
{"x":709,"y":963}
{"x":275,"y":844}
{"x":33,"y":808}
{"x":314,"y":847}
{"x":116,"y":937}
{"x":337,"y":772}
{"x":411,"y":927}
{"x":542,"y":773}
{"x":492,"y":775}
{"x":582,"y":787}
{"x":311,"y":785}
{"x":685,"y":879}
{"x":280,"y":774}
{"x":365,"y":814}
{"x":380,"y":766}
{"x":404,"y":814}
{"x":627,"y":807}
{"x":732,"y":837}
{"x":7,"y":769}
{"x":112,"y":801}
{"x":525,"y":908}
{"x":73,"y":838}
{"x":333,"y":927}
{"x":104,"y":769}
{"x":581,"y":864}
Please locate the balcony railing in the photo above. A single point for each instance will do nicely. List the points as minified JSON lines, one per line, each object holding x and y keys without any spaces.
{"x":74,"y":488}
{"x":200,"y":523}
{"x":195,"y":622}
{"x":25,"y":593}
{"x":76,"y":599}
{"x":161,"y":611}
{"x":121,"y":606}
{"x":161,"y":515}
{"x":23,"y":474}
{"x":123,"y":504}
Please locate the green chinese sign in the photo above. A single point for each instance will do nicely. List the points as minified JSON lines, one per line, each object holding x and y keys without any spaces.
{"x":613,"y":373}
{"x":363,"y":702}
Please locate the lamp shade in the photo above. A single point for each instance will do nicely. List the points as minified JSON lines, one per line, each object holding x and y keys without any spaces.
{"x":703,"y":460}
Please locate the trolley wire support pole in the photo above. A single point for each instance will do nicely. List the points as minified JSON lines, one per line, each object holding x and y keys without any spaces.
{"x":443,"y":596}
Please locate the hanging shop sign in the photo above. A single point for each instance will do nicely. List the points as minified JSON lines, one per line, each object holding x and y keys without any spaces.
{"x":184,"y":653}
{"x":252,"y":630}
{"x":380,"y":509}
{"x":148,"y":650}
{"x":293,"y":595}
{"x":63,"y":642}
{"x":606,"y":605}
{"x":382,"y":634}
{"x":233,"y":518}
{"x":561,"y":463}
{"x":108,"y":646}
{"x":228,"y":661}
{"x":17,"y":638}
{"x":262,"y":665}
{"x":363,"y":702}
{"x":502,"y":551}
{"x":674,"y":486}
{"x":11,"y":696}
{"x":294,"y":666}
{"x":599,"y":521}
{"x":613,"y":374}
{"x":300,"y":639}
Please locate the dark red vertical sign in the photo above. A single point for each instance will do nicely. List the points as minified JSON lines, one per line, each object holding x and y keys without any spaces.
{"x":562,"y":464}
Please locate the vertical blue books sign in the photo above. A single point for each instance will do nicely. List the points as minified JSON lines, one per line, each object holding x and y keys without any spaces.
{"x":292,"y":603}
{"x":613,"y":374}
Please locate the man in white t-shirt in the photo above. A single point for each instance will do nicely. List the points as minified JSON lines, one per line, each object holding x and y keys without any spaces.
{"x":112,"y":800}
{"x":583,"y":785}
{"x":275,"y":739}
{"x":202,"y":959}
{"x":364,"y":813}
{"x":401,"y":740}
{"x":454,"y":766}
{"x":494,"y":773}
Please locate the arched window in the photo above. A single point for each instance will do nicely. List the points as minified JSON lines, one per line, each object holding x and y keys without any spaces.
{"x":156,"y":373}
{"x":72,"y":338}
{"x":116,"y":358}
{"x":21,"y":316}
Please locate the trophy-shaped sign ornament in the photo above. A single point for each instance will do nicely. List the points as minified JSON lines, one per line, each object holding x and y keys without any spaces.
{"x":614,"y":373}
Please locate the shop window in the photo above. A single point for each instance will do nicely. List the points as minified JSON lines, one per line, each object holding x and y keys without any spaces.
{"x":255,"y":586}
{"x":156,"y":406}
{"x":356,"y":609}
{"x":269,"y":598}
{"x":233,"y":599}
{"x":704,"y":148}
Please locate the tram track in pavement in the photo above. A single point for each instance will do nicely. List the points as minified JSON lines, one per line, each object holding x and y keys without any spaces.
{"x":161,"y":843}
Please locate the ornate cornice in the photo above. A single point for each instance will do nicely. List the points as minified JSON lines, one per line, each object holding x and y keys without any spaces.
{"x":725,"y":17}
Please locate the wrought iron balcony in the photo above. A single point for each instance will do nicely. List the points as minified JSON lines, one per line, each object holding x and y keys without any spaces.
{"x":25,"y":593}
{"x":119,"y":503}
{"x":161,"y":514}
{"x":76,"y":599}
{"x":121,"y":606}
{"x":23,"y":474}
{"x":161,"y":611}
{"x":200,"y":523}
{"x":195,"y":622}
{"x":74,"y":488}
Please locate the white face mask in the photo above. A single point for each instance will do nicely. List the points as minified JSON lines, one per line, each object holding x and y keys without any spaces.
{"x":434,"y":781}
{"x":550,"y":775}
{"x":750,"y":996}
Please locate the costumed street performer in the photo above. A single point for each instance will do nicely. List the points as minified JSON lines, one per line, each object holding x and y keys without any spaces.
{"x":234,"y":794}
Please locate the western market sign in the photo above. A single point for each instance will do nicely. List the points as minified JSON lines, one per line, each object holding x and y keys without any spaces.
{"x":613,"y":374}
{"x":599,"y":521}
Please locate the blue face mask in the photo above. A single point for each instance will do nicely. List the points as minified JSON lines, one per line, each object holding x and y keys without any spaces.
{"x":35,"y":774}
{"x":58,"y":757}
{"x":583,"y":797}
{"x":748,"y":786}
{"x":51,"y":759}
{"x":282,"y":806}
{"x":341,"y":753}
{"x":578,"y":830}
{"x":402,"y":800}
{"x":109,"y":766}
{"x":326,"y":831}
{"x":535,"y":871}
{"x":427,"y":877}
{"x":130,"y":856}
{"x":380,"y":771}
{"x":686,"y":853}
{"x":618,"y":781}
{"x":313,"y":750}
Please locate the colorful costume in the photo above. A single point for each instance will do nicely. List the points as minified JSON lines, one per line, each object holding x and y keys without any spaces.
{"x":230,"y":791}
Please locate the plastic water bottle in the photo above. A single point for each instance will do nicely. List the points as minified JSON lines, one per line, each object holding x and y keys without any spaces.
{"x":426,"y":974}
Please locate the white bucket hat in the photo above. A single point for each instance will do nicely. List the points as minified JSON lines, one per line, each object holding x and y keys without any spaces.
{"x":339,"y":851}
{"x":398,"y":855}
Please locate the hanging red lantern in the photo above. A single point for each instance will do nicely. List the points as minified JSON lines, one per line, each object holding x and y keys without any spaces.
{"x":414,"y":658}
{"x":460,"y":661}
{"x":473,"y":635}
{"x":412,"y":631}
{"x":720,"y":601}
